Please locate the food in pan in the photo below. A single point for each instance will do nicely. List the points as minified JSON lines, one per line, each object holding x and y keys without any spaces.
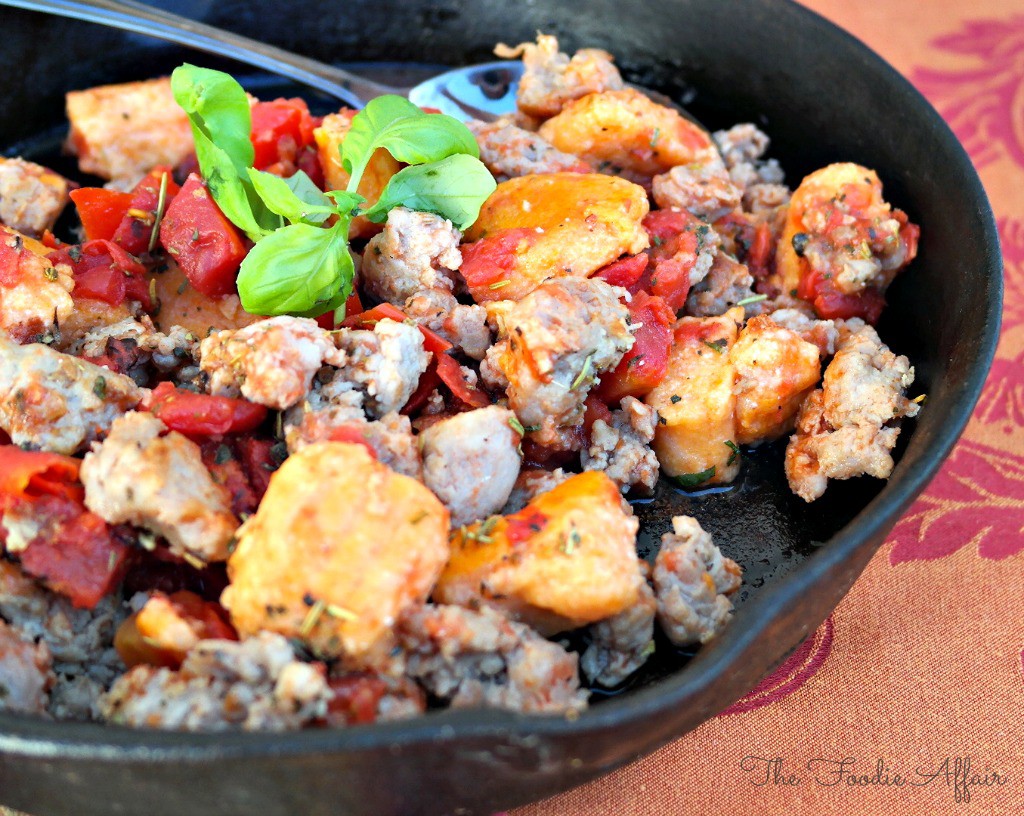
{"x":318,"y":421}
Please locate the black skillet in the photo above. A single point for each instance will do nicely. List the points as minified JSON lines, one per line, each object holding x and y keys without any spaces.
{"x":822,"y":97}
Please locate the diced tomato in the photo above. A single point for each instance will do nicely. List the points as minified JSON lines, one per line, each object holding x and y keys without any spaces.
{"x":596,"y":409}
{"x":280,"y":130}
{"x":205,"y":244}
{"x":136,"y":228}
{"x":355,"y":700}
{"x":100,"y":210}
{"x":77,"y":554}
{"x":105,"y":271}
{"x":676,"y":239}
{"x":309,"y":163}
{"x":910,"y":234}
{"x":257,"y":457}
{"x":51,"y":241}
{"x":645,"y":364}
{"x":30,"y":474}
{"x":225,"y":469}
{"x":524,"y":525}
{"x":493,"y":259}
{"x":450,"y":372}
{"x":203,"y":414}
{"x":761,"y":252}
{"x":625,"y":271}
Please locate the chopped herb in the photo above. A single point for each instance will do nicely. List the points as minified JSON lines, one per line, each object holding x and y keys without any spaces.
{"x":648,"y":650}
{"x":657,"y":241}
{"x":194,"y":561}
{"x":800,"y":241}
{"x":183,"y":287}
{"x":583,"y":372}
{"x":195,"y":235}
{"x":223,"y":455}
{"x":752,"y":299}
{"x":75,"y":253}
{"x":312,"y":616}
{"x":717,"y":346}
{"x":702,"y":234}
{"x":635,"y":361}
{"x":488,"y":525}
{"x":662,"y":420}
{"x":571,"y":542}
{"x":516,"y":425}
{"x":655,"y":136}
{"x":920,"y":399}
{"x":99,"y":387}
{"x":675,"y":398}
{"x":531,"y":428}
{"x":111,"y":561}
{"x":499,"y":284}
{"x":336,"y":611}
{"x":141,"y":215}
{"x":419,"y":517}
{"x":688,"y":480}
{"x":158,"y":216}
{"x":50,"y":274}
{"x":736,"y":453}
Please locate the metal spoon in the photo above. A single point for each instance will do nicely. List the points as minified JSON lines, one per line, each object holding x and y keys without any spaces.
{"x":484,"y":91}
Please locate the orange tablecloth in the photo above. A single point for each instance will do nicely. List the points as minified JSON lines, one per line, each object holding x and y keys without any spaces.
{"x":922,"y":665}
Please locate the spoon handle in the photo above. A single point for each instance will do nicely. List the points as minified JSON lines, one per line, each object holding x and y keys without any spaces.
{"x":140,"y":18}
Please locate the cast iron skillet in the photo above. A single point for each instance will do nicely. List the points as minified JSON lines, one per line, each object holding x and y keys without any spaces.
{"x":822,"y":97}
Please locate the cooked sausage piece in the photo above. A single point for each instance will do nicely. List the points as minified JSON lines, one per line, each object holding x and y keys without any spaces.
{"x":551,"y":78}
{"x":415,"y":251}
{"x":123,"y":131}
{"x":622,"y":449}
{"x":621,"y":644}
{"x":255,"y":685}
{"x":55,"y":402}
{"x":510,"y":151}
{"x":530,"y":483}
{"x":483,"y":659}
{"x":340,"y":546}
{"x":727,"y":283}
{"x":35,"y":297}
{"x":849,"y":426}
{"x":692,"y":580}
{"x":25,"y":673}
{"x":554,"y":345}
{"x":385,"y":364}
{"x":565,"y":560}
{"x":471,"y":462}
{"x":271,"y":362}
{"x":156,"y":480}
{"x":31,"y":197}
{"x":701,"y":186}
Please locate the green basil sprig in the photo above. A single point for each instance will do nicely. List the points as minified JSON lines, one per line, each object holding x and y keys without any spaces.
{"x":300,"y":263}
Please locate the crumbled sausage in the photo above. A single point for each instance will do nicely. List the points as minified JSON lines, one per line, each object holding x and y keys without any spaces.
{"x":551,"y":78}
{"x":554,"y":345}
{"x":482,"y":659}
{"x":621,"y":644}
{"x":55,"y":402}
{"x":510,"y":151}
{"x":622,"y":449}
{"x":702,"y":187}
{"x":849,"y":427}
{"x":691,"y":581}
{"x":25,"y":673}
{"x":158,"y":481}
{"x":255,"y":685}
{"x":271,"y":362}
{"x":471,"y":462}
{"x":385,"y":364}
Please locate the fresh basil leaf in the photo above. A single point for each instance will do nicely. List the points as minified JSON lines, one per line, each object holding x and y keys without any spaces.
{"x":344,"y":201}
{"x":218,"y":111}
{"x":220,"y":107}
{"x":406,"y":132}
{"x":689,"y":480}
{"x":296,"y":198}
{"x":454,"y":188}
{"x":300,"y":269}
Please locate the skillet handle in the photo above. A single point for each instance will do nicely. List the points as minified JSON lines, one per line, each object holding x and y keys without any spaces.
{"x":140,"y":18}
